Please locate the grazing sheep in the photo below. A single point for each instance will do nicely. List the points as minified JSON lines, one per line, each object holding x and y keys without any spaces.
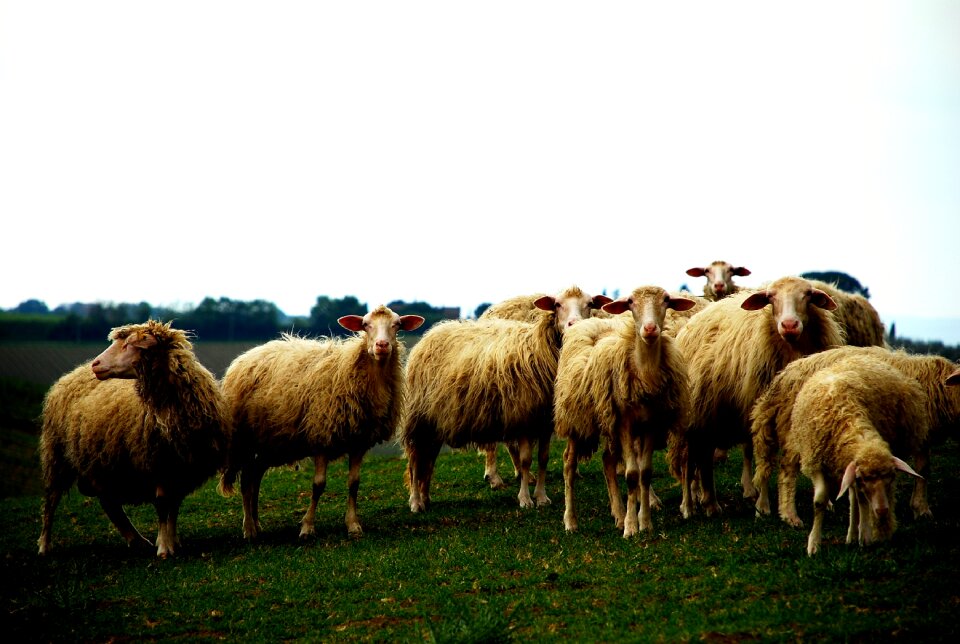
{"x":840,"y":418}
{"x":294,"y":397}
{"x":733,"y":349}
{"x":719,"y":276}
{"x":571,"y":306}
{"x":478,"y":382}
{"x":771,"y":417}
{"x":622,"y":380}
{"x":144,"y":422}
{"x":861,"y":322}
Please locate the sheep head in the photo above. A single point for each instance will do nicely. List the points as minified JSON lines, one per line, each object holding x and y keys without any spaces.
{"x":127,"y":347}
{"x":791,"y":299}
{"x":871,"y":478}
{"x":380,"y":328}
{"x":570,"y":306}
{"x":649,"y":305}
{"x":719,"y":278}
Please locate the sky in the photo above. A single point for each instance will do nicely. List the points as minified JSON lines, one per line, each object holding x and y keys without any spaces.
{"x":459,"y":153}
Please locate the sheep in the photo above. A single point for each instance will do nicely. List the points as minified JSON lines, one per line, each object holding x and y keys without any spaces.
{"x":571,"y":306}
{"x":860,"y":321}
{"x":296,"y":397}
{"x":719,"y":276}
{"x":771,"y":417}
{"x":143,"y":422}
{"x":477,"y":382}
{"x":733,"y":349}
{"x":622,"y":380}
{"x":841,"y":416}
{"x":677,"y":319}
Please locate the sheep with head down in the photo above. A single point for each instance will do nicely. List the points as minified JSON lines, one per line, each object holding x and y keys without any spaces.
{"x":570,"y":306}
{"x":144,"y":422}
{"x":295,"y":398}
{"x":719,"y":276}
{"x":621,"y":380}
{"x":733,"y":349}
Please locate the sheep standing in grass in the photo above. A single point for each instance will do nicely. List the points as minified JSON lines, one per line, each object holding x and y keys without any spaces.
{"x":771,"y":419}
{"x":479,"y":382}
{"x":294,"y":397}
{"x":571,"y":306}
{"x":144,"y":422}
{"x":733,"y":349}
{"x":719,"y":276}
{"x":840,"y":417}
{"x":622,"y":380}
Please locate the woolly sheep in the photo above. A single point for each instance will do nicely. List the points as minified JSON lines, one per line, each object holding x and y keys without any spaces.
{"x":622,"y":380}
{"x":571,"y":306}
{"x":771,"y":417}
{"x":860,"y":322}
{"x":719,"y":276}
{"x":733,"y":349}
{"x":478,"y":382}
{"x":295,"y":397}
{"x":840,"y":417}
{"x":144,"y":422}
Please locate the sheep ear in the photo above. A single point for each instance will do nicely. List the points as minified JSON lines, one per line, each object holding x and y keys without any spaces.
{"x":545,"y":302}
{"x":953,"y":378}
{"x":848,"y":477}
{"x":696,"y":272}
{"x":681,"y":304}
{"x":756,"y":301}
{"x":351,"y":322}
{"x":740,"y":271}
{"x":821,"y":299}
{"x":410,"y":322}
{"x":145,"y":341}
{"x":616,"y":307}
{"x":903,"y":467}
{"x":599,"y":300}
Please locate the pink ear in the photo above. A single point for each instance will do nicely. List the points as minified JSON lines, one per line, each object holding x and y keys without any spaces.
{"x":545,"y":302}
{"x":681,"y":304}
{"x":953,"y":378}
{"x":351,"y":322}
{"x":696,"y":272}
{"x":410,"y":322}
{"x":599,"y":300}
{"x":756,"y":301}
{"x":741,"y":271}
{"x":821,"y":299}
{"x":145,"y":342}
{"x":848,"y":477}
{"x":903,"y":467}
{"x":616,"y":307}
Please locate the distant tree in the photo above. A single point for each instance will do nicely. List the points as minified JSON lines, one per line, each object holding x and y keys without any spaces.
{"x":431,"y":315}
{"x":843,"y":281}
{"x":477,"y":312}
{"x":326,"y":312}
{"x":227,"y":319}
{"x":31,"y":306}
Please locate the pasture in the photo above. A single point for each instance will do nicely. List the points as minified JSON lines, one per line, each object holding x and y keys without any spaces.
{"x":477,"y":568}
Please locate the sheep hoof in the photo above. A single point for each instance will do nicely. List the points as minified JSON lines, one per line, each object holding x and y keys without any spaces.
{"x":496,"y":482}
{"x":306,"y":532}
{"x":542,"y":501}
{"x":793,"y":522}
{"x":355,"y":532}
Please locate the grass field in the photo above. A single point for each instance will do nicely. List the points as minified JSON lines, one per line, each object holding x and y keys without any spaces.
{"x":477,"y":568}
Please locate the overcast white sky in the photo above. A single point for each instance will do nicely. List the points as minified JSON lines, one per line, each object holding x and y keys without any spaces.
{"x":465,"y":152}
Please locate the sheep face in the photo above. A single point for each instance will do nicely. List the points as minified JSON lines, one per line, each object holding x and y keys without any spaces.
{"x":649,"y":305}
{"x":791,"y":299}
{"x":570,"y":306}
{"x":380,"y":327}
{"x":120,"y":359}
{"x":719,"y":278}
{"x":871,"y":478}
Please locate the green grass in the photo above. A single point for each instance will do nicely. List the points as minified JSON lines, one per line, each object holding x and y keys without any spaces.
{"x":477,"y":568}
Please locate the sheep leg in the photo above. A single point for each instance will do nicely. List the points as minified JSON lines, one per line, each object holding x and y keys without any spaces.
{"x":610,"y":460}
{"x":353,"y":486}
{"x":250,"y":479}
{"x":820,"y":501}
{"x":686,"y":479}
{"x":421,"y":459}
{"x":50,"y":502}
{"x":543,"y":458}
{"x":569,"y":475}
{"x":746,"y":472}
{"x":490,"y":473}
{"x":708,"y":491}
{"x":632,"y":475}
{"x":167,"y":510}
{"x":853,"y":527}
{"x":787,"y":491}
{"x":514,"y":451}
{"x":319,"y":485}
{"x":119,"y":518}
{"x":918,"y":500}
{"x":526,"y":458}
{"x":646,"y":476}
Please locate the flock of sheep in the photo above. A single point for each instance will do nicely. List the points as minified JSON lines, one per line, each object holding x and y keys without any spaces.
{"x":795,"y":373}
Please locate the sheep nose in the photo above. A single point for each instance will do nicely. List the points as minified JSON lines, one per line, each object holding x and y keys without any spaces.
{"x":791,"y":326}
{"x":572,"y":321}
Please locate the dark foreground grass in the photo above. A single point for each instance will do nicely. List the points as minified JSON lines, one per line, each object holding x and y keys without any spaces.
{"x":477,"y":568}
